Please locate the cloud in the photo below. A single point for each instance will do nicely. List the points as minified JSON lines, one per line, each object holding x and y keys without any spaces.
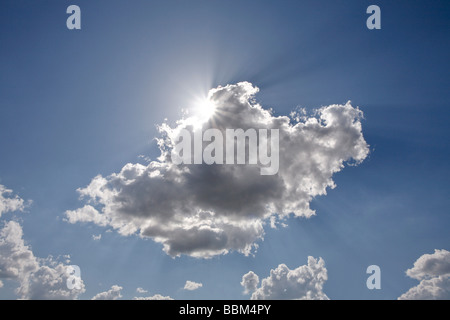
{"x":431,"y":265}
{"x":250,"y":282}
{"x":433,"y":271}
{"x":437,"y":288}
{"x":304,"y":283}
{"x":10,"y":202}
{"x":112,"y":294}
{"x":49,"y":282}
{"x":1,"y":284}
{"x":191,"y":285}
{"x":141,"y":290}
{"x":96,"y":238}
{"x":16,"y":258}
{"x":155,"y":297}
{"x":38,"y":278}
{"x":86,"y":214}
{"x":206,"y":210}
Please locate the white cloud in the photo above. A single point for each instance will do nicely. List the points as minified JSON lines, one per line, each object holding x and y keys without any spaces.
{"x":10,"y":202}
{"x":96,"y":238}
{"x":112,"y":294}
{"x":206,"y":210}
{"x":37,"y":278}
{"x":141,"y":290}
{"x":16,"y":258}
{"x":49,"y":282}
{"x":191,"y":285}
{"x":437,"y":288}
{"x":86,"y":214}
{"x":1,"y":284}
{"x":433,"y":271}
{"x":155,"y":297}
{"x":305,"y":283}
{"x":250,"y":282}
{"x":431,"y":265}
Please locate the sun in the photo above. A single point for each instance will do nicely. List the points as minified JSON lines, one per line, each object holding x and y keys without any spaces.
{"x":204,"y":109}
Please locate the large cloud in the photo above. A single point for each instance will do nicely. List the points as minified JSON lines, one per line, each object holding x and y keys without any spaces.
{"x":204,"y":210}
{"x":38,"y":278}
{"x":305,"y":283}
{"x":49,"y":282}
{"x":433,"y":271}
{"x":115,"y":293}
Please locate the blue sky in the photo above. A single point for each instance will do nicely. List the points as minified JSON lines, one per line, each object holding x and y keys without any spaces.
{"x":78,"y":103}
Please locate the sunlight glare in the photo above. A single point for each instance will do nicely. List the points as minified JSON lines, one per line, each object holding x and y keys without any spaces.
{"x":204,"y":110}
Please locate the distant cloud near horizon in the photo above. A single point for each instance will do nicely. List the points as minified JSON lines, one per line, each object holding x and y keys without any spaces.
{"x":154,"y":297}
{"x":250,"y":282}
{"x":112,"y":294}
{"x":141,"y":290}
{"x":207,"y":210}
{"x":303,"y":283}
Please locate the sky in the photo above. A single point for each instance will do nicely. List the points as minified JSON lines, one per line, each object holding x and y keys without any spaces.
{"x":363,"y":176}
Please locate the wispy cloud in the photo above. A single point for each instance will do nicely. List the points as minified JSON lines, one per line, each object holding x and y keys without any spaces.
{"x":141,"y":290}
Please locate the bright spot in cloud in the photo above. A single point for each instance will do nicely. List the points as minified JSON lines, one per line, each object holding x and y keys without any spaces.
{"x":203,"y":110}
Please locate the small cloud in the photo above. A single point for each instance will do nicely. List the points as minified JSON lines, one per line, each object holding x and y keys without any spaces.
{"x":275,"y":222}
{"x":191,"y":285}
{"x":86,"y":214}
{"x":155,"y":297}
{"x":113,"y":294}
{"x":66,"y":258}
{"x":96,"y":238}
{"x":141,"y":290}
{"x":250,"y":282}
{"x":10,"y":202}
{"x":145,"y":158}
